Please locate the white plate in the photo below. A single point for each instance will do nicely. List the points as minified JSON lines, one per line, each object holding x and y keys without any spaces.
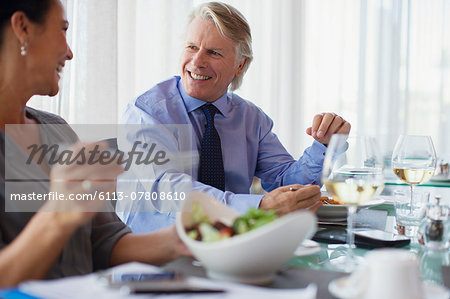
{"x":440,"y":178}
{"x":339,"y":212}
{"x":340,"y":289}
{"x":307,"y":247}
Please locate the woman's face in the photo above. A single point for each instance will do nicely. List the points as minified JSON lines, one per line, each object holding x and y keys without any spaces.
{"x":48,"y":51}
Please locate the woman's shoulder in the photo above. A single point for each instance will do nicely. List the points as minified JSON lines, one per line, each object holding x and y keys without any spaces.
{"x":44,"y":117}
{"x":54,"y":128}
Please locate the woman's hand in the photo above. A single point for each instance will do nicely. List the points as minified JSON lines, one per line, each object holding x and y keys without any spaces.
{"x":81,"y":183}
{"x":156,"y":248}
{"x":39,"y":244}
{"x":180,"y":249}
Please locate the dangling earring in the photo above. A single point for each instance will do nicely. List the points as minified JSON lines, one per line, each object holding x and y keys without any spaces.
{"x":23,"y":49}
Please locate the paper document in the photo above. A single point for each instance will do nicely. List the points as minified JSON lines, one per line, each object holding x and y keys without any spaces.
{"x":90,"y":286}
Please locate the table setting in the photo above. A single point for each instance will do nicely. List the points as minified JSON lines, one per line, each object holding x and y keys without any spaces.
{"x":393,"y":273}
{"x":442,"y":172}
{"x":307,"y":275}
{"x":412,"y":215}
{"x":360,"y":243}
{"x":377,"y":214}
{"x":299,"y":271}
{"x":338,"y":212}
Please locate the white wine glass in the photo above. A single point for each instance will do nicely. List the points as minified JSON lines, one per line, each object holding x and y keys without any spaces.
{"x":352,"y":172}
{"x":414,"y":161}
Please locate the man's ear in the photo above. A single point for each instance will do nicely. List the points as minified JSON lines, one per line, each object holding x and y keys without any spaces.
{"x":20,"y":25}
{"x":241,"y":67}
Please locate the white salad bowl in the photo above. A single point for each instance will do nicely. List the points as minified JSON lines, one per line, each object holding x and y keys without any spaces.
{"x":252,"y":257}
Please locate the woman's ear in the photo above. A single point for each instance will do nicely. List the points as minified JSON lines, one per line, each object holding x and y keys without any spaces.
{"x":20,"y":26}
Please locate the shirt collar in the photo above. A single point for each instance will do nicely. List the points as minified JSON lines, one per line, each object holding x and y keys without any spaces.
{"x":223,"y":104}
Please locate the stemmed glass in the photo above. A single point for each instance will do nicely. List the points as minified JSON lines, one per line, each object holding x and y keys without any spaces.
{"x":414,"y":161}
{"x":353,"y":172}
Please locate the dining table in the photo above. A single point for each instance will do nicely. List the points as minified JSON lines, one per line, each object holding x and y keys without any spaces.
{"x":317,"y":268}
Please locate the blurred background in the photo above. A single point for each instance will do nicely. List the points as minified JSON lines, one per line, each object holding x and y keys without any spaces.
{"x":381,"y":64}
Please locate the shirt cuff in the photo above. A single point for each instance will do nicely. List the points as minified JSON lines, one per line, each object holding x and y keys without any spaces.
{"x":243,"y":202}
{"x":318,"y":149}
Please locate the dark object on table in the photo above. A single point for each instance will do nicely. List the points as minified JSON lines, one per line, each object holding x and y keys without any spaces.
{"x":168,"y":282}
{"x":368,"y":239}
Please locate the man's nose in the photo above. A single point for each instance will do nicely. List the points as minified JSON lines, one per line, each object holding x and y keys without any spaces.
{"x":199,"y":59}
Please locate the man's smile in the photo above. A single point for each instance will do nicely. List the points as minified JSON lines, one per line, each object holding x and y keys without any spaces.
{"x":198,"y":77}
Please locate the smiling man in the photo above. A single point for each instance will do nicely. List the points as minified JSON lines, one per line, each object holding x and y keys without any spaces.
{"x":209,"y":61}
{"x":232,"y":136}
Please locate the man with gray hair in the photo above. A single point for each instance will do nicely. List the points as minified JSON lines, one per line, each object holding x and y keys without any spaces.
{"x":232,"y":136}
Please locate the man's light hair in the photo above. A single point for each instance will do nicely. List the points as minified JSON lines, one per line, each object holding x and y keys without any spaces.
{"x":231,"y":24}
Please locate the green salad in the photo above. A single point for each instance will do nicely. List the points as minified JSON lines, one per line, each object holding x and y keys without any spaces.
{"x":204,"y":230}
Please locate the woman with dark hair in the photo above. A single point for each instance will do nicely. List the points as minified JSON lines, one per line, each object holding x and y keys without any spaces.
{"x":48,"y":243}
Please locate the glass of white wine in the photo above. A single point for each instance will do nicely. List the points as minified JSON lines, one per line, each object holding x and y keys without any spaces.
{"x":414,"y":160}
{"x":352,"y":172}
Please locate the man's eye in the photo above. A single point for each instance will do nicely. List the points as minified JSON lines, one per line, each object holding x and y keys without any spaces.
{"x":192,"y":47}
{"x":215,"y":53}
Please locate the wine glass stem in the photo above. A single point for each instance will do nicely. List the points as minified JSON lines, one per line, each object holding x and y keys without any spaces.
{"x":350,"y":236}
{"x":411,"y":201}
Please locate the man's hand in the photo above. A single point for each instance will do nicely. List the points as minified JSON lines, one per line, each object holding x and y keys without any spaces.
{"x":326,"y":124}
{"x":287,"y":199}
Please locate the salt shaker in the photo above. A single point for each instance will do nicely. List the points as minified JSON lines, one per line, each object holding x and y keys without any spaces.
{"x":433,"y":231}
{"x":443,"y":168}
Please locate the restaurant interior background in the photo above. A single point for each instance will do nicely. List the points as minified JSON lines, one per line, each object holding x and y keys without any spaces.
{"x":381,"y":64}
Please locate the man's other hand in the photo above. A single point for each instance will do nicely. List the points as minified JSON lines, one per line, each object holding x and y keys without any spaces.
{"x":326,"y":124}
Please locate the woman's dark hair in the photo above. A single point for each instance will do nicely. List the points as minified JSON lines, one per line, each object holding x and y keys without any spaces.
{"x":36,"y":11}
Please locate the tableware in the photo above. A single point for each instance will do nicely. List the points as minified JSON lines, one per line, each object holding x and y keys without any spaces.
{"x":431,"y":265}
{"x":407,"y":217}
{"x":434,"y":230}
{"x":307,"y":247}
{"x":414,"y":160}
{"x":443,"y":167}
{"x":329,"y":212}
{"x":353,"y":173}
{"x":440,"y":178}
{"x":339,"y":288}
{"x":388,"y":273}
{"x":252,"y":257}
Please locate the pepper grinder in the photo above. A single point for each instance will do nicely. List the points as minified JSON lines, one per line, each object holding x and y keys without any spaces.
{"x":434,"y":228}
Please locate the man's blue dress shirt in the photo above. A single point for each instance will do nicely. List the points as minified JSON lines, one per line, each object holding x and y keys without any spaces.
{"x":249,"y":148}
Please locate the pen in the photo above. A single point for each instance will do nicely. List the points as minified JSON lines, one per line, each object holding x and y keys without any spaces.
{"x":176,"y":291}
{"x":127,"y":277}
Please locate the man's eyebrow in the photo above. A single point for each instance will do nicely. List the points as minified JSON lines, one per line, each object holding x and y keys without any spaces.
{"x":209,"y":49}
{"x":215,"y":49}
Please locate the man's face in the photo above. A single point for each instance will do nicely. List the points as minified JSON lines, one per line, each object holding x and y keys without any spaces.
{"x":208,"y":61}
